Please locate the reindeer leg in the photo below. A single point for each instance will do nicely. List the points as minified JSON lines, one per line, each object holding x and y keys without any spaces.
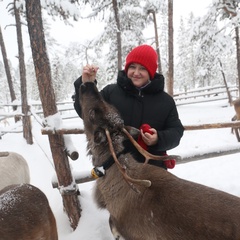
{"x":129,"y":180}
{"x":114,"y":230}
{"x":146,"y":154}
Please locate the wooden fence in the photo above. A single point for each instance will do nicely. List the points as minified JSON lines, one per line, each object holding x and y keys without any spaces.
{"x":205,"y":95}
{"x":199,"y":95}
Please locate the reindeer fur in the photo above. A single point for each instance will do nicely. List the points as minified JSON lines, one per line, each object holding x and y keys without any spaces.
{"x":25,"y":214}
{"x":171,"y":208}
{"x":13,"y":169}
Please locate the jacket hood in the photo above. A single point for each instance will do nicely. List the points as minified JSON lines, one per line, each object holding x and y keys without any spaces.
{"x":155,"y":85}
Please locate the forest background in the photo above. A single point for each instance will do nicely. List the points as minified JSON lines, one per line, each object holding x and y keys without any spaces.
{"x":205,"y":51}
{"x":204,"y":45}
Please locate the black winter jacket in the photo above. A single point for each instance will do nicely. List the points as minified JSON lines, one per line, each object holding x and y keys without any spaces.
{"x":149,"y":105}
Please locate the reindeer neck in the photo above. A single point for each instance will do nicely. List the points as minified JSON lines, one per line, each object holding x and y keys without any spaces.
{"x":110,"y":161}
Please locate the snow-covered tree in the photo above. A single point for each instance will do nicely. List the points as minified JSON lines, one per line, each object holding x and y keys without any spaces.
{"x":5,"y":95}
{"x":185,"y":69}
{"x":33,"y":92}
{"x":222,"y":25}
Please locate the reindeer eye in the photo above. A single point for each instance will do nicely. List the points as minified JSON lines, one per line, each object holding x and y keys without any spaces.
{"x":91,"y":115}
{"x":99,"y":137}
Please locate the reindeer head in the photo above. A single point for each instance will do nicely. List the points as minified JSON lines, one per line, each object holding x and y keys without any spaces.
{"x":98,"y":115}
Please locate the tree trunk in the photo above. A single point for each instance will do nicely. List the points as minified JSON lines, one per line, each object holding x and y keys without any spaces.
{"x":238,"y":57}
{"x":157,"y":42}
{"x":119,"y":40}
{"x":8,"y":73}
{"x":170,"y":48}
{"x":43,"y":75}
{"x":225,"y":83}
{"x":26,"y":118}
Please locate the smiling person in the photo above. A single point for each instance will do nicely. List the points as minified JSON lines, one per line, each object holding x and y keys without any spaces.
{"x":142,"y":102}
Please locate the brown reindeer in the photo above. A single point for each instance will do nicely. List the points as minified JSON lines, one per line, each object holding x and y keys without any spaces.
{"x":25,"y":214}
{"x":168,"y":208}
{"x":236,"y":117}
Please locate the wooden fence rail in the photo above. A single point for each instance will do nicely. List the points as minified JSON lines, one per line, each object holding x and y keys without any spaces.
{"x":235,"y":124}
{"x":205,"y":95}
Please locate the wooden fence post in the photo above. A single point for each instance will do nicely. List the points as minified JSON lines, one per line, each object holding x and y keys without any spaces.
{"x":66,"y":182}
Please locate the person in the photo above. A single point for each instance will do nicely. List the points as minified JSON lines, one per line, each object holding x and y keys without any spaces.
{"x":140,"y":98}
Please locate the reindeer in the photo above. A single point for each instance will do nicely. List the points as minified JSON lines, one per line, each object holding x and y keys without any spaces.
{"x":236,"y":117}
{"x":13,"y":169}
{"x":146,"y":201}
{"x":25,"y":214}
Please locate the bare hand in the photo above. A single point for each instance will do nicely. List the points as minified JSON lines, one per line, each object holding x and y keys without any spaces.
{"x":89,"y":73}
{"x":150,"y":138}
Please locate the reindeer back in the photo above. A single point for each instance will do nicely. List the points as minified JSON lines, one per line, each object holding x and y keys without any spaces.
{"x":25,"y":214}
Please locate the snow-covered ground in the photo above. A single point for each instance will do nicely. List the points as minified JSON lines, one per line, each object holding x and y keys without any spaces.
{"x":220,"y":172}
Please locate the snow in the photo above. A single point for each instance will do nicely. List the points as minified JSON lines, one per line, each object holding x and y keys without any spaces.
{"x":220,"y":172}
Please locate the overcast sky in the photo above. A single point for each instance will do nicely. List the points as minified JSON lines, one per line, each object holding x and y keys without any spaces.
{"x":84,"y":29}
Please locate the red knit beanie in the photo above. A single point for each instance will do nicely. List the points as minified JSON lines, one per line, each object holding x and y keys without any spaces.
{"x":144,"y":55}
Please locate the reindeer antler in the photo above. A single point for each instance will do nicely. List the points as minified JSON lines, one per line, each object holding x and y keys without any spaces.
{"x":146,"y":154}
{"x":129,"y":180}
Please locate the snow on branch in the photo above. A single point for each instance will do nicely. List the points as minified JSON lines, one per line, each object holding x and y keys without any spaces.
{"x":63,"y":8}
{"x":80,"y":177}
{"x":52,"y":124}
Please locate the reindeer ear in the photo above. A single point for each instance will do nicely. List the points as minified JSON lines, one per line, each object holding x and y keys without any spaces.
{"x":133,"y":131}
{"x":99,"y":136}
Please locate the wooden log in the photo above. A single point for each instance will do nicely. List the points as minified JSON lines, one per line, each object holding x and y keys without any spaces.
{"x":73,"y":155}
{"x":235,"y":124}
{"x":62,"y":131}
{"x":84,"y":178}
{"x":207,"y":155}
{"x":11,"y":131}
{"x":179,"y":103}
{"x":205,"y":89}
